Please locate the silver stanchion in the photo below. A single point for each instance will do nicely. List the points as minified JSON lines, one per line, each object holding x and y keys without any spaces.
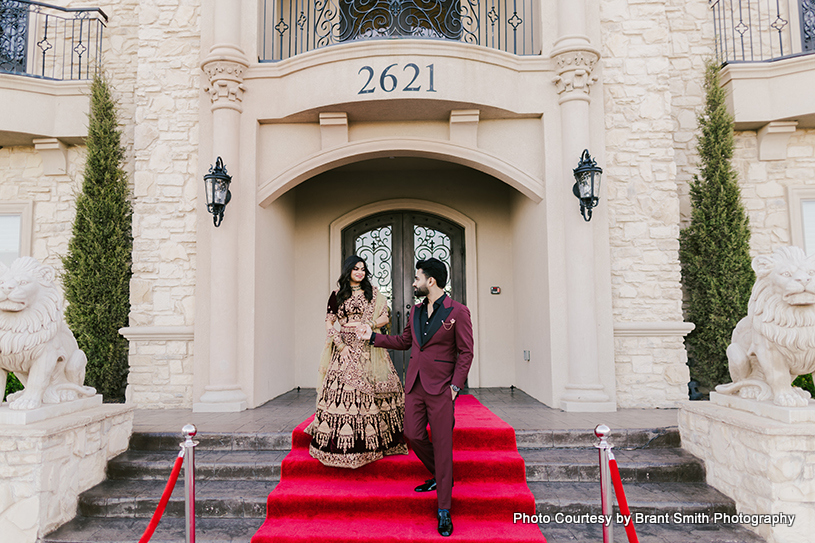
{"x":189,"y":432}
{"x":604,"y":447}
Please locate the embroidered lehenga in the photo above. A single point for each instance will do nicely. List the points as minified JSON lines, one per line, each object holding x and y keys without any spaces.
{"x":361,"y":402}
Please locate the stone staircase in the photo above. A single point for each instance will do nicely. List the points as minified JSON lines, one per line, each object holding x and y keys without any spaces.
{"x":236,"y":472}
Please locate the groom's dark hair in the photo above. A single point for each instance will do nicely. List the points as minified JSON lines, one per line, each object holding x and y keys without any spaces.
{"x":435,"y":268}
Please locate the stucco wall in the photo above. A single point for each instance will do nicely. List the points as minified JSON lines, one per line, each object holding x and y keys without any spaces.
{"x":481,"y":198}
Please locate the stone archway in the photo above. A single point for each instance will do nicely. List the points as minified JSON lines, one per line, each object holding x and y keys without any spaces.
{"x":326,"y":160}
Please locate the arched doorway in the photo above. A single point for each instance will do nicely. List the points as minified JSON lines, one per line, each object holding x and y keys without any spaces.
{"x":391,"y":243}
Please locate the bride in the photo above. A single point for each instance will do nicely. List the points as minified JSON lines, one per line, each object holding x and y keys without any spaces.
{"x":360,"y":401}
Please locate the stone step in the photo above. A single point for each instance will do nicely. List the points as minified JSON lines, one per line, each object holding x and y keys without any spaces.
{"x":571,"y":498}
{"x":212,"y":441}
{"x":654,"y":533}
{"x":247,"y":499}
{"x":639,"y":465}
{"x":171,"y":530}
{"x":640,"y":438}
{"x":156,"y":465}
{"x":213,"y":499}
{"x":645,"y":438}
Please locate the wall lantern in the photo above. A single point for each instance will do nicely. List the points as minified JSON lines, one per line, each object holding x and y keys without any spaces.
{"x":216,"y":185}
{"x":587,"y":184}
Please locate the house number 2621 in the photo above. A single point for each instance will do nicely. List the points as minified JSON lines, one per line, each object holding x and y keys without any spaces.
{"x":389,"y":82}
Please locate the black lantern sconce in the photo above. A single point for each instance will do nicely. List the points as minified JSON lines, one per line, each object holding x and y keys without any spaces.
{"x":587,"y":184}
{"x":216,"y":185}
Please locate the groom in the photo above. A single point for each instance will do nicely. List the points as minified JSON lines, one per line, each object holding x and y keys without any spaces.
{"x":440,"y":333}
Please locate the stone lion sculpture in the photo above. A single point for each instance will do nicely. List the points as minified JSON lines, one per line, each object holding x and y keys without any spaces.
{"x":775,"y":342}
{"x":35,"y":342}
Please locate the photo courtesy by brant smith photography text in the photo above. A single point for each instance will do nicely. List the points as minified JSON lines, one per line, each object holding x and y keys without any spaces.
{"x":774,"y":519}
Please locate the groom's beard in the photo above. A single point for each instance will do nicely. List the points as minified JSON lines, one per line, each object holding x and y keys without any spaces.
{"x":418,"y":292}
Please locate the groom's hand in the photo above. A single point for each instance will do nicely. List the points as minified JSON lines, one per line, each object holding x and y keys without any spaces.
{"x":364,"y":331}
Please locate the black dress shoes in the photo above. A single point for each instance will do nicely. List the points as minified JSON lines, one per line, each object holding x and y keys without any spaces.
{"x":428,"y":485}
{"x":445,"y":523}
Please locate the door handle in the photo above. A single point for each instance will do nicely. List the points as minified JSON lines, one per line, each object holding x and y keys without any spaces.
{"x":398,"y":322}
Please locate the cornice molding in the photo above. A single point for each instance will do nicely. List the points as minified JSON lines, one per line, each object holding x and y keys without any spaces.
{"x":158,"y":333}
{"x":652,"y":329}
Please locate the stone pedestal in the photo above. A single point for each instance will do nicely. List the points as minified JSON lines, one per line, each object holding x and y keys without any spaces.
{"x":45,"y":465}
{"x":764,"y":465}
{"x":47,"y":411}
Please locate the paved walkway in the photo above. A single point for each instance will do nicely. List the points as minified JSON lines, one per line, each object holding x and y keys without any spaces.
{"x":284,"y":413}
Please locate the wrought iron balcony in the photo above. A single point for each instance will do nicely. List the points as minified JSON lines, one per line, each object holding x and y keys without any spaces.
{"x":292,"y":27}
{"x":50,"y":42}
{"x":762,"y":30}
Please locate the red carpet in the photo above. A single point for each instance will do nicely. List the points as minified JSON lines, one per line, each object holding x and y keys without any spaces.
{"x":376,"y":503}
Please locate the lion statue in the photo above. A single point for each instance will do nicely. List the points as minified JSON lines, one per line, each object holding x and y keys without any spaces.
{"x":775,"y":342}
{"x":35,"y":342}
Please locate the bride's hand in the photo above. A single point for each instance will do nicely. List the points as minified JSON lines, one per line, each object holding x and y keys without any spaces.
{"x":364,"y":331}
{"x":354,"y":324}
{"x":345,"y":355}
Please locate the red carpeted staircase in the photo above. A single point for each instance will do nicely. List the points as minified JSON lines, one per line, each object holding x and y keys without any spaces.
{"x":377,"y":503}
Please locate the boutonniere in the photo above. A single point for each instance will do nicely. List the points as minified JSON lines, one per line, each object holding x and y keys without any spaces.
{"x":448,"y":326}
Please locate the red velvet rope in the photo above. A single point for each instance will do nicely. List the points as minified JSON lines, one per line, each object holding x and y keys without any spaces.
{"x":621,"y":501}
{"x":162,"y":504}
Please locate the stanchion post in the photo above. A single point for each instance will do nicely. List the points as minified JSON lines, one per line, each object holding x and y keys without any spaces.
{"x":604,"y":447}
{"x":189,"y":432}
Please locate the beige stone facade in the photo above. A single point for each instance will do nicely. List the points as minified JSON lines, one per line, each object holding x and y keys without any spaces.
{"x":45,"y":465}
{"x":766,"y":187}
{"x":229,"y":317}
{"x":764,"y":465}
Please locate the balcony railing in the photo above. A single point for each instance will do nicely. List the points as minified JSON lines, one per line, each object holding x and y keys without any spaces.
{"x":761,"y":30}
{"x":292,"y":27}
{"x":50,"y":42}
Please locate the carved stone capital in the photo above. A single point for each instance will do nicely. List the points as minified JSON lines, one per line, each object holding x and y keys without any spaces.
{"x":574,"y":72}
{"x":225,"y":83}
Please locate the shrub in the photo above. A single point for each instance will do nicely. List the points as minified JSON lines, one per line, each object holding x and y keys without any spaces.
{"x":98,"y":263}
{"x":12,"y":385}
{"x":805,"y":382}
{"x":714,"y":249}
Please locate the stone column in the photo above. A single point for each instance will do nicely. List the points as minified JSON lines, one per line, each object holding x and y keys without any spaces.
{"x":575,"y":59}
{"x":224,"y":67}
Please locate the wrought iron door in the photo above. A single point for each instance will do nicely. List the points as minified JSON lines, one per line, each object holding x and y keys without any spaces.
{"x":391,"y":243}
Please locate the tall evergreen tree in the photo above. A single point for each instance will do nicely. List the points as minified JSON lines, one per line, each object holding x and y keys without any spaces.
{"x":714,"y":249}
{"x":98,"y":263}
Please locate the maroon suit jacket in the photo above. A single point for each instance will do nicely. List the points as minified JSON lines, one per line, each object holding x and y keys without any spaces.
{"x":447,"y":354}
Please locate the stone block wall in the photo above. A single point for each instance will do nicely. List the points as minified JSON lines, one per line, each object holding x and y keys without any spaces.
{"x":765,"y":185}
{"x":22,"y":180}
{"x":653,"y":55}
{"x":151,"y":53}
{"x":161,"y":373}
{"x":44,"y":467}
{"x":651,"y":371}
{"x":765,"y":466}
{"x":165,"y":154}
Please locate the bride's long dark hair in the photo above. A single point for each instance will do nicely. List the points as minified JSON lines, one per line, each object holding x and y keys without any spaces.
{"x":345,"y":280}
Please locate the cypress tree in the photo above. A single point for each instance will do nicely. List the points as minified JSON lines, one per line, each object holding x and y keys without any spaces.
{"x":98,"y":263}
{"x":714,"y":250}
